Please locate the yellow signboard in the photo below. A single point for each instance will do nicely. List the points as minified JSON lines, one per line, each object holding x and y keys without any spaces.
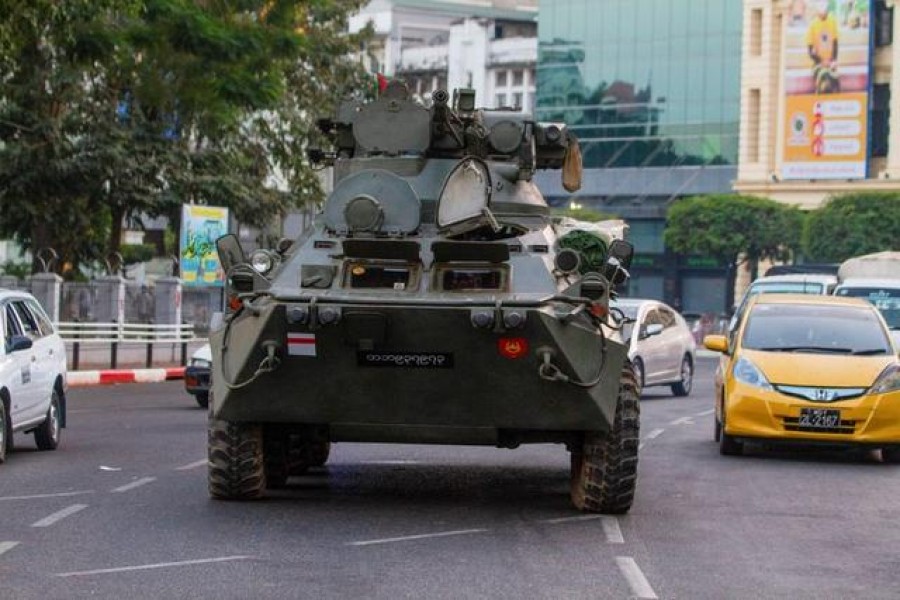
{"x":826,"y":82}
{"x":201,"y":226}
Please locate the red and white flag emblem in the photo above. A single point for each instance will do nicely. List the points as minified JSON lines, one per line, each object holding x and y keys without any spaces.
{"x":301,"y":344}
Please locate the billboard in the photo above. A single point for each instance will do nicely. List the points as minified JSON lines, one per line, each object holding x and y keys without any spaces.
{"x":827,"y":64}
{"x":201,"y":226}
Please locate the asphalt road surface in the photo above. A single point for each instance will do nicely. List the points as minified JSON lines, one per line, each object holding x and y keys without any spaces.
{"x":121,"y":510}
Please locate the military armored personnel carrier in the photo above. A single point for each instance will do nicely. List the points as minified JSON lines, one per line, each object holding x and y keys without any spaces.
{"x":435,"y":300}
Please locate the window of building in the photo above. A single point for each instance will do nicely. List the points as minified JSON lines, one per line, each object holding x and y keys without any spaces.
{"x":756,"y":21}
{"x":753,"y":116}
{"x":518,"y":77}
{"x":881,"y":115}
{"x":517,"y":100}
{"x":884,"y":24}
{"x":501,"y":100}
{"x":500,"y":79}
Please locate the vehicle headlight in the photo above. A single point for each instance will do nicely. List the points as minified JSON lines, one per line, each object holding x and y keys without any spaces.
{"x":888,"y":381}
{"x":746,"y":372}
{"x":262,"y":261}
{"x":201,"y":362}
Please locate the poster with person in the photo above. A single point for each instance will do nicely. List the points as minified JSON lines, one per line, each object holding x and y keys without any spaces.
{"x":201,"y":226}
{"x":826,"y":83}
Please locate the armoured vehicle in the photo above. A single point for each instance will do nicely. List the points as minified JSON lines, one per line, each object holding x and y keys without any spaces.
{"x":435,"y":300}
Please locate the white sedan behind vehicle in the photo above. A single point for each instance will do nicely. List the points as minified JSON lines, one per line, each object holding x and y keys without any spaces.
{"x":660,"y":344}
{"x":32,"y":373}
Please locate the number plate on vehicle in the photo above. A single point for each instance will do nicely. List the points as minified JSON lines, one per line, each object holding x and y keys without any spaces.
{"x":819,"y":418}
{"x":409,"y":360}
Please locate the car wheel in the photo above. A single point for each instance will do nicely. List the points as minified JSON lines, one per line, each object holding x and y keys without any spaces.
{"x":4,"y":430}
{"x":890,"y":455}
{"x":202,"y":400}
{"x":728,"y":446}
{"x":46,"y":436}
{"x":638,"y":366}
{"x":717,"y":431}
{"x":236,"y":464}
{"x":683,"y":387}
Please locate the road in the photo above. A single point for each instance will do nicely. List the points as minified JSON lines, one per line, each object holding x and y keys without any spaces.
{"x":121,"y":510}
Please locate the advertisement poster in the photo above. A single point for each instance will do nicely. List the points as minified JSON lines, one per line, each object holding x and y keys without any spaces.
{"x":826,"y":81}
{"x":201,"y":226}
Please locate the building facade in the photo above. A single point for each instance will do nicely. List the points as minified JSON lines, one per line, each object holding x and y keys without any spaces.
{"x":652,"y":90}
{"x":802,"y":139}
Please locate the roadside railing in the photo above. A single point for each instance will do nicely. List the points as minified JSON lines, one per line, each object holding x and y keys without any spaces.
{"x":78,"y":334}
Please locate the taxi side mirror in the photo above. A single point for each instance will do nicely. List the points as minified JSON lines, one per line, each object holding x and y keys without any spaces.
{"x":716,"y":343}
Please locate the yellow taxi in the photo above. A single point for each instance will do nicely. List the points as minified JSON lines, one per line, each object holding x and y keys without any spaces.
{"x":810,"y":369}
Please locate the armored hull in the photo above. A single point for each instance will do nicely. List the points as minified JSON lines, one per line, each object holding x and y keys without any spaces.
{"x":435,"y":300}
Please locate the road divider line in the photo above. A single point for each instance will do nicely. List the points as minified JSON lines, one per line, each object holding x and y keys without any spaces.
{"x":39,"y":496}
{"x":59,"y":515}
{"x":612,"y":530}
{"x":423,"y":536}
{"x":193,"y":465}
{"x":133,"y":484}
{"x":654,"y":434}
{"x":7,"y":546}
{"x":390,"y":462}
{"x":183,"y":563}
{"x":640,"y":587}
{"x":705,"y":413}
{"x":572,"y":519}
{"x":683,"y":421}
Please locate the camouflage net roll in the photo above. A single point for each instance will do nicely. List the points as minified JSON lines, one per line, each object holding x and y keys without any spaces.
{"x":591,"y":248}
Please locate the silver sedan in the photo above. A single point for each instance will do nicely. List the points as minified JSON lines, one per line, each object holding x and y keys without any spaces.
{"x":660,"y":344}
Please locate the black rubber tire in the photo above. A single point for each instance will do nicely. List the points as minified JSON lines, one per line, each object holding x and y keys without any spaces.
{"x":4,"y":431}
{"x":318,"y":453}
{"x":728,"y":446}
{"x":683,"y":388}
{"x":638,"y":366}
{"x":277,"y":466}
{"x":202,"y":400}
{"x":604,"y":471}
{"x":890,"y":455}
{"x":236,"y":464}
{"x":717,"y":432}
{"x":47,"y":434}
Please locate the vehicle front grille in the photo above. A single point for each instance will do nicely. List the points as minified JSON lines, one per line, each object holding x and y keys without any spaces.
{"x":792,"y":424}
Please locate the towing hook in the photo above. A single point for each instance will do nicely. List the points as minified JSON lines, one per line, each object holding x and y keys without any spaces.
{"x":548,"y":371}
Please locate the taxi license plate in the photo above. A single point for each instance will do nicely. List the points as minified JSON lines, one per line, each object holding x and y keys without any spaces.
{"x":819,"y":418}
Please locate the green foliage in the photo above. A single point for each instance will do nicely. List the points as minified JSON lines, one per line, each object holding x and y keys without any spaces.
{"x":727,"y":226}
{"x":853,"y":224}
{"x":592,"y":249}
{"x":17,"y":270}
{"x":137,"y":253}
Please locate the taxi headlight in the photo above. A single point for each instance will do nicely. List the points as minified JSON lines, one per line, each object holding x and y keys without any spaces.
{"x":746,"y":372}
{"x":888,"y":381}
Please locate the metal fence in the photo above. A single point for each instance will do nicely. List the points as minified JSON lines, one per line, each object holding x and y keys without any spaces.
{"x":120,"y":336}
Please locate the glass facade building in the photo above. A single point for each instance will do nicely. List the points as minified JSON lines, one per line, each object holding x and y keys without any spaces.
{"x":652,"y":90}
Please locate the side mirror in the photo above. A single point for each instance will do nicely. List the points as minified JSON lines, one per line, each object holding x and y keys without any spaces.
{"x":716,"y":343}
{"x":651,"y":330}
{"x":230,"y":252}
{"x":19,"y":342}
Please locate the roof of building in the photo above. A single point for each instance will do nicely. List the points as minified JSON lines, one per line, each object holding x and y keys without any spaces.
{"x":525,"y":13}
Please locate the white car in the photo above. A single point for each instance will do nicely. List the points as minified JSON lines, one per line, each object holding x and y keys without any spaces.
{"x":32,"y":373}
{"x":660,"y":344}
{"x":883,"y":293}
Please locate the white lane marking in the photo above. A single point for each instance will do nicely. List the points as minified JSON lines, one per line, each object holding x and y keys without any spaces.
{"x":199,"y":561}
{"x":683,"y":421}
{"x":59,"y":515}
{"x":612,"y":530}
{"x":571,"y":519}
{"x":7,"y":546}
{"x":705,"y":413}
{"x":654,"y":434}
{"x":193,"y":465}
{"x":641,"y":446}
{"x":640,"y":587}
{"x":390,"y":462}
{"x":416,"y":537}
{"x":133,"y":484}
{"x":37,"y":496}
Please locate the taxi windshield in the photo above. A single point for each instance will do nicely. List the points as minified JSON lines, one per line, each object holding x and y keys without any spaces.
{"x":810,"y":328}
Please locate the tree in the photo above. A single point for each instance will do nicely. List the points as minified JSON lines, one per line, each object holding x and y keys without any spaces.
{"x":734,"y":228}
{"x":853,"y":224}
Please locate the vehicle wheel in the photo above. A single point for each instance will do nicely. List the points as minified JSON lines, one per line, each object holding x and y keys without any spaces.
{"x":637,"y":366}
{"x":318,"y":453}
{"x":890,"y":455}
{"x":276,"y":458}
{"x":604,"y":469}
{"x":46,"y":436}
{"x":683,"y":387}
{"x":202,"y":400}
{"x":717,"y":434}
{"x":236,"y":465}
{"x":728,"y":446}
{"x":4,"y":430}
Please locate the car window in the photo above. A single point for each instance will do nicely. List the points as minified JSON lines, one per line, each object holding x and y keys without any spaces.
{"x":809,"y":328}
{"x":786,"y":287}
{"x":666,"y":317}
{"x":12,"y":324}
{"x":41,"y":317}
{"x":26,"y":319}
{"x":885,"y":299}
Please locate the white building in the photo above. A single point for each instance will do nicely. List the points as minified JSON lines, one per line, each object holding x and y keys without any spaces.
{"x":489,"y":46}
